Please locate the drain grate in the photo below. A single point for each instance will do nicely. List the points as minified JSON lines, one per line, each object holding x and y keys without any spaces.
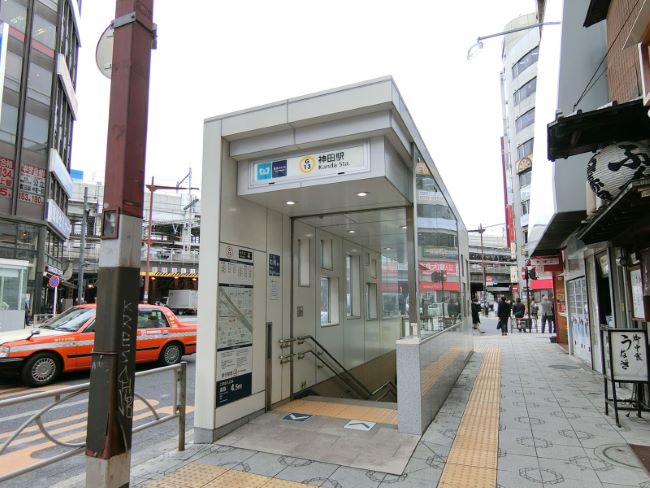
{"x":563,"y":366}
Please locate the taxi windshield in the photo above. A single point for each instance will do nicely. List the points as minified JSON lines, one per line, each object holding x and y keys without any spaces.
{"x":70,"y":320}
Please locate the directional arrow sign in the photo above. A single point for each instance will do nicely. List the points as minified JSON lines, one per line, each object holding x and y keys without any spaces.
{"x":297,"y":417}
{"x":363,"y":425}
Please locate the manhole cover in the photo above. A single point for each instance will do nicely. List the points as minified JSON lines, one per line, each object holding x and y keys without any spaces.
{"x":619,"y":454}
{"x":563,"y":366}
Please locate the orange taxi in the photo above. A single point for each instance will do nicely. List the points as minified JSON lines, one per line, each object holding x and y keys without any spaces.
{"x":65,"y":343}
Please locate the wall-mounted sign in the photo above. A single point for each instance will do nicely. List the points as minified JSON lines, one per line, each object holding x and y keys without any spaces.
{"x":274,"y":265}
{"x":547,"y":264}
{"x":524,"y":164}
{"x":60,"y":171}
{"x":431,"y":198}
{"x":235,"y":324}
{"x":58,"y":219}
{"x":32,"y":184}
{"x":309,"y":166}
{"x":6,"y":177}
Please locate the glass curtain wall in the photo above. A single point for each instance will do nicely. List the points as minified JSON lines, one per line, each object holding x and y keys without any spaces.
{"x":437,"y":255}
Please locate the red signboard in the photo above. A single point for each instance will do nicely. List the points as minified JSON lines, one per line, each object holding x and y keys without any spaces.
{"x":6,"y":177}
{"x":450,"y":267}
{"x":438,"y":286}
{"x":510,"y":224}
{"x":541,"y":284}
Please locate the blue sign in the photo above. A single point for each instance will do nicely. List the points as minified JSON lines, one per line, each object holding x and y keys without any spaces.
{"x":264,"y":171}
{"x":279,"y":168}
{"x":297,"y":417}
{"x":53,"y":281}
{"x":274,"y":265}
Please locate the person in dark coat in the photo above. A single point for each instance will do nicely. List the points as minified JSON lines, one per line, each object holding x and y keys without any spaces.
{"x":504,"y":315}
{"x":476,"y":310}
{"x":519,"y":310}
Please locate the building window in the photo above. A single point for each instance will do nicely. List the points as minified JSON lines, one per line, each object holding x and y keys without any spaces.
{"x":525,"y":207}
{"x":326,"y":256}
{"x":524,"y":120}
{"x":353,"y":284}
{"x":303,"y":262}
{"x":525,"y":149}
{"x":525,"y":179}
{"x":525,"y":91}
{"x":371,"y":291}
{"x":329,"y":299}
{"x":527,"y":60}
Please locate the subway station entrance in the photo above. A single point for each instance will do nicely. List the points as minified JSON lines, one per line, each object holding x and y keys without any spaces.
{"x":333,"y":303}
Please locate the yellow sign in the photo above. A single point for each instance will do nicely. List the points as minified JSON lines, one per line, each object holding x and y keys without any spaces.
{"x":523,"y":164}
{"x":307,"y":164}
{"x":161,"y":274}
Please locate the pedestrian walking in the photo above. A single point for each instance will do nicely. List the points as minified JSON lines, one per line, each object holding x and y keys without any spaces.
{"x":503,"y":312}
{"x":546,"y":311}
{"x":476,"y":310}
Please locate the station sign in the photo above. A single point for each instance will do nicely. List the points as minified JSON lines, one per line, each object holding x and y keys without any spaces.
{"x":310,"y":166}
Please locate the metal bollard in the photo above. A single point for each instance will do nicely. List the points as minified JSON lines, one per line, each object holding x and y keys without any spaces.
{"x":182,"y":401}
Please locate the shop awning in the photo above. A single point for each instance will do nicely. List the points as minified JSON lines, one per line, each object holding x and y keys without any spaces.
{"x":561,"y":226}
{"x":587,"y":131}
{"x":625,"y":220}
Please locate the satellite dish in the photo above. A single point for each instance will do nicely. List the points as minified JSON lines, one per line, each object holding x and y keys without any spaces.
{"x":104,"y":52}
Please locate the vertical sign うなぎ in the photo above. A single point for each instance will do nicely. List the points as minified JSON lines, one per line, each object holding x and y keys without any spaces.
{"x":234,"y":324}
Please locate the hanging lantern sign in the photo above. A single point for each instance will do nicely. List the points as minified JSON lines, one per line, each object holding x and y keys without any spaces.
{"x":614,"y":166}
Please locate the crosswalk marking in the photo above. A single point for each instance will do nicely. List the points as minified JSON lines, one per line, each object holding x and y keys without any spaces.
{"x":76,"y":432}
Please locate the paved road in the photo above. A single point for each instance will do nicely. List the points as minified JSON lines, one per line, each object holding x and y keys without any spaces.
{"x":68,"y":423}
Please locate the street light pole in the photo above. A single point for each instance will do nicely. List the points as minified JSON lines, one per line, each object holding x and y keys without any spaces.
{"x":481,"y":229}
{"x":82,"y":250}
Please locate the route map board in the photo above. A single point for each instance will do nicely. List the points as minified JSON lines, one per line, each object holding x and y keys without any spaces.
{"x":234,"y":324}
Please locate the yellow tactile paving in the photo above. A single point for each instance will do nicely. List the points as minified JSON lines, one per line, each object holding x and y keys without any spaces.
{"x":473,"y":458}
{"x":342,"y":411}
{"x":199,"y":475}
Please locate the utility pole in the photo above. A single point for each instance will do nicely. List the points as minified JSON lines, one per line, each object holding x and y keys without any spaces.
{"x":82,"y":250}
{"x":481,"y":229}
{"x":112,"y":377}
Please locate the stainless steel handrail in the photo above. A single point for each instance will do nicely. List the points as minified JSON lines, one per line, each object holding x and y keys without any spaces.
{"x":179,"y":372}
{"x":320,"y":346}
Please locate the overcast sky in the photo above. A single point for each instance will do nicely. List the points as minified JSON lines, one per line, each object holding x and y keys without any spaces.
{"x":215,"y":57}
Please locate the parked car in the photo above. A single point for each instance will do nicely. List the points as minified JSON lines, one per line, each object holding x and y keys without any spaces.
{"x":65,"y":343}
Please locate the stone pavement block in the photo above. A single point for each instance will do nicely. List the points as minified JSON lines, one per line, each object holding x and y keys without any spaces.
{"x":349,"y":477}
{"x":569,"y":470}
{"x":261,"y":463}
{"x":305,"y":471}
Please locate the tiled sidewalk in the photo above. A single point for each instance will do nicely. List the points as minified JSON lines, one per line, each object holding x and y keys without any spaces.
{"x":552,"y":432}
